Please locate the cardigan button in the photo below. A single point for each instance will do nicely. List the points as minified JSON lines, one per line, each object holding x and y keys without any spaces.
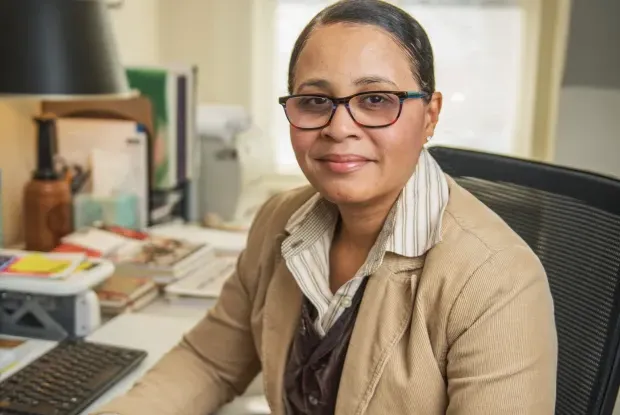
{"x":313,"y":400}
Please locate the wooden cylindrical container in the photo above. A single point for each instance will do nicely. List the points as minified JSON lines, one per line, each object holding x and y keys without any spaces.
{"x":48,"y":210}
{"x":48,"y":213}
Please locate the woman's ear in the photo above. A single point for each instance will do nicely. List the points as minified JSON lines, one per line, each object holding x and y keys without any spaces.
{"x":433,"y":108}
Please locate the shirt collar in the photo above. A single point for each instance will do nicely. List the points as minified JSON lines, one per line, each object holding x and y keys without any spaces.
{"x":413,"y":225}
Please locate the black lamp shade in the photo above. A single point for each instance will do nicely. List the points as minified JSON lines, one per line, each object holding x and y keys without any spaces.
{"x":59,"y":48}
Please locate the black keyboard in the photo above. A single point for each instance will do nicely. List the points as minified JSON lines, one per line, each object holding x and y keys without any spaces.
{"x":67,"y":379}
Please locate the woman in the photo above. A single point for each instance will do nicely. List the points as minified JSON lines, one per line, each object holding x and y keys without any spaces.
{"x":385,"y":288}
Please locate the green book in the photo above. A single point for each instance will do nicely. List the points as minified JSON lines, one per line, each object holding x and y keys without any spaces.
{"x":160,"y":86}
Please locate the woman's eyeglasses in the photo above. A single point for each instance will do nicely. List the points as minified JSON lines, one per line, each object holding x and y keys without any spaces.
{"x":373,"y":109}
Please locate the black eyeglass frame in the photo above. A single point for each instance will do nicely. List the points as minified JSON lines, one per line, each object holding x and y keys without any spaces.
{"x":402,"y":96}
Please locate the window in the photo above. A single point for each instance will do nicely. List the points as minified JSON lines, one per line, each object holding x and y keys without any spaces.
{"x":479,"y":52}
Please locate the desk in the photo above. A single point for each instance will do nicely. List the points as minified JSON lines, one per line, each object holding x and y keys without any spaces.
{"x":190,"y":309}
{"x":157,"y":329}
{"x":194,"y":310}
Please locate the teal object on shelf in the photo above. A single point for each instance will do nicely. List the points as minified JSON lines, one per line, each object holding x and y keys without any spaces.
{"x":120,"y":210}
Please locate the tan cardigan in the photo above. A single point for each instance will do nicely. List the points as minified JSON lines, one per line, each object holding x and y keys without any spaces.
{"x":466,"y":330}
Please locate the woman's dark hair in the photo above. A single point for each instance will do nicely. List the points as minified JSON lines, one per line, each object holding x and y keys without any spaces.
{"x":399,"y":24}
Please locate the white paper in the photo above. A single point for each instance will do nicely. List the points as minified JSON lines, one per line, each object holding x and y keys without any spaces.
{"x":110,"y":173}
{"x":82,"y":140}
{"x":97,"y":240}
{"x":224,"y":242}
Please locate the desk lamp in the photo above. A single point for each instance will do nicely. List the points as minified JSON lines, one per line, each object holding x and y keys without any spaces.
{"x":55,"y":49}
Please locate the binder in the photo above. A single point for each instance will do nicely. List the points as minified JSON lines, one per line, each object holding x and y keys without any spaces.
{"x":173,"y":93}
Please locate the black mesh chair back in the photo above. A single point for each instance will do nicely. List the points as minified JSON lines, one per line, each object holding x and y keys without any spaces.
{"x":571,"y":219}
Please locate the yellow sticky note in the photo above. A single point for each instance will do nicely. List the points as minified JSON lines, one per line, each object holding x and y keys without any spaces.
{"x":39,"y":264}
{"x":84,"y":266}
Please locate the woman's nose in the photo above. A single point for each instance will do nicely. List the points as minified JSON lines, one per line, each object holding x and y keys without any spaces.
{"x":342,"y":125}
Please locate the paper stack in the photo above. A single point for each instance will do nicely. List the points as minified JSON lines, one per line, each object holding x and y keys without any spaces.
{"x":206,"y":283}
{"x":17,"y":263}
{"x":124,"y":293}
{"x":225,"y":243}
{"x":142,"y":254}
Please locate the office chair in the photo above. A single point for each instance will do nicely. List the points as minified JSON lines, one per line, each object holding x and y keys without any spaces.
{"x":571,"y":219}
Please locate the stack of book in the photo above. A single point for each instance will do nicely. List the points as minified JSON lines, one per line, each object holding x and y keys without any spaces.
{"x":144,"y":263}
{"x":140,"y":254}
{"x":207,"y":283}
{"x":124,"y":293}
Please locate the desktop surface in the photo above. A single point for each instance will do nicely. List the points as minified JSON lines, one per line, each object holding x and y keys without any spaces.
{"x":158,"y":333}
{"x":156,"y":330}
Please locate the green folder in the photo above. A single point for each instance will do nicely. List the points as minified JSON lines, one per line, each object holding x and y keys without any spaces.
{"x":159,"y":85}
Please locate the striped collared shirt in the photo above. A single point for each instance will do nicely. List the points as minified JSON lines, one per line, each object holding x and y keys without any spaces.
{"x":412,"y":227}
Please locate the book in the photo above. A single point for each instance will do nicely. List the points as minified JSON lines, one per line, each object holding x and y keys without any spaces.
{"x":159,"y":85}
{"x":17,"y":263}
{"x":163,"y":259}
{"x":71,"y":248}
{"x":138,"y":253}
{"x":225,"y":242}
{"x":134,"y":305}
{"x":128,"y":233}
{"x":173,"y":92}
{"x":121,"y":293}
{"x":99,"y":242}
{"x":206,"y":282}
{"x":157,"y":252}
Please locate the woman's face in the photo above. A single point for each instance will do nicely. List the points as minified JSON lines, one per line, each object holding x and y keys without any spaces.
{"x":348,"y":163}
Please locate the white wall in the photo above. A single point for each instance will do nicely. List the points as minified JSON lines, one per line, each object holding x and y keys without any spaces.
{"x":588,"y":134}
{"x":216,"y":35}
{"x":137,"y":31}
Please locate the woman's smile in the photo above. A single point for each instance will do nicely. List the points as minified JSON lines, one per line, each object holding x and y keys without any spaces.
{"x":343,"y":163}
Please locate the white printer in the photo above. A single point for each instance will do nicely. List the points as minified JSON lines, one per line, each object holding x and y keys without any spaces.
{"x":232,"y":162}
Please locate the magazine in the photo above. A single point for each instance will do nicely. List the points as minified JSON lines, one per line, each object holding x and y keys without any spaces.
{"x":162,"y":258}
{"x":158,"y":252}
{"x":41,"y":264}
